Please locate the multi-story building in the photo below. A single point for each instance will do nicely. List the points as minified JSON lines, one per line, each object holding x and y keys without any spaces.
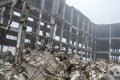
{"x":65,"y":25}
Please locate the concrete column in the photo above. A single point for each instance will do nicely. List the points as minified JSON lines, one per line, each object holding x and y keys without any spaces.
{"x":1,"y":49}
{"x":61,"y":35}
{"x":83,"y":33}
{"x":91,"y":45}
{"x":77,"y":43}
{"x":22,"y":29}
{"x":70,"y":37}
{"x":88,"y":27}
{"x":109,"y":41}
{"x":52,"y":30}
{"x":83,"y":24}
{"x":52,"y":27}
{"x":91,"y":42}
{"x":86,"y":41}
{"x":114,"y":58}
{"x":39,"y":21}
{"x":56,"y":6}
{"x":1,"y":14}
{"x":11,"y":13}
{"x":117,"y":58}
{"x":6,"y":15}
{"x":86,"y":55}
{"x":92,"y":30}
{"x":94,"y":42}
{"x":94,"y":48}
{"x":33,"y":41}
{"x":54,"y":12}
{"x":1,"y":36}
{"x":82,"y":42}
{"x":71,"y":18}
{"x":77,"y":32}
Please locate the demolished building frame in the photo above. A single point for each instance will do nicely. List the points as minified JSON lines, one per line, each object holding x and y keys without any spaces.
{"x":65,"y":25}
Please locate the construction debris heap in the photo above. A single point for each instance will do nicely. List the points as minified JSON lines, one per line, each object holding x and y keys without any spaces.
{"x":53,"y":65}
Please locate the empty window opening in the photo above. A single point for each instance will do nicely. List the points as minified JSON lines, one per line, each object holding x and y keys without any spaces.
{"x":83,"y":46}
{"x":64,"y":40}
{"x":9,"y":48}
{"x":119,"y":50}
{"x":80,"y":44}
{"x":87,"y":47}
{"x":57,"y":38}
{"x":27,"y":40}
{"x":69,"y":50}
{"x":48,"y":26}
{"x":29,"y":29}
{"x":14,"y":24}
{"x":70,"y":42}
{"x":90,"y":48}
{"x":41,"y":23}
{"x":63,"y":48}
{"x":47,"y":34}
{"x":12,"y":49}
{"x":41,"y":33}
{"x":11,"y":37}
{"x":30,"y":19}
{"x":75,"y":51}
{"x":56,"y":47}
{"x":39,"y":43}
{"x":16,"y":13}
{"x":111,"y":50}
{"x":75,"y":43}
{"x":83,"y":52}
{"x":5,"y":48}
{"x":79,"y":52}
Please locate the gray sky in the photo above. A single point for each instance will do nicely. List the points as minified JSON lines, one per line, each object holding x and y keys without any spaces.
{"x":99,"y":11}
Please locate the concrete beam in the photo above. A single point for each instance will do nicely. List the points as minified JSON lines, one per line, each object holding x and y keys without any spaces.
{"x":4,"y":2}
{"x":106,"y":38}
{"x":98,"y":52}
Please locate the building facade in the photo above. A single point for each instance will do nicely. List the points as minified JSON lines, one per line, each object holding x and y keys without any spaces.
{"x":69,"y":29}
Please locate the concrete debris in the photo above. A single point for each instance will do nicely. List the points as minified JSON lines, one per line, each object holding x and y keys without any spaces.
{"x":51,"y":65}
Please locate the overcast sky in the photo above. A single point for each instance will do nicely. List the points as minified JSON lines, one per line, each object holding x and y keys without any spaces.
{"x":99,"y":11}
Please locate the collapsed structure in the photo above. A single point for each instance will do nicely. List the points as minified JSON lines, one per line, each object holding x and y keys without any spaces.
{"x":53,"y":65}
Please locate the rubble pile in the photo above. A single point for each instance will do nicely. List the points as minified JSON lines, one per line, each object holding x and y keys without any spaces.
{"x":51,"y":65}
